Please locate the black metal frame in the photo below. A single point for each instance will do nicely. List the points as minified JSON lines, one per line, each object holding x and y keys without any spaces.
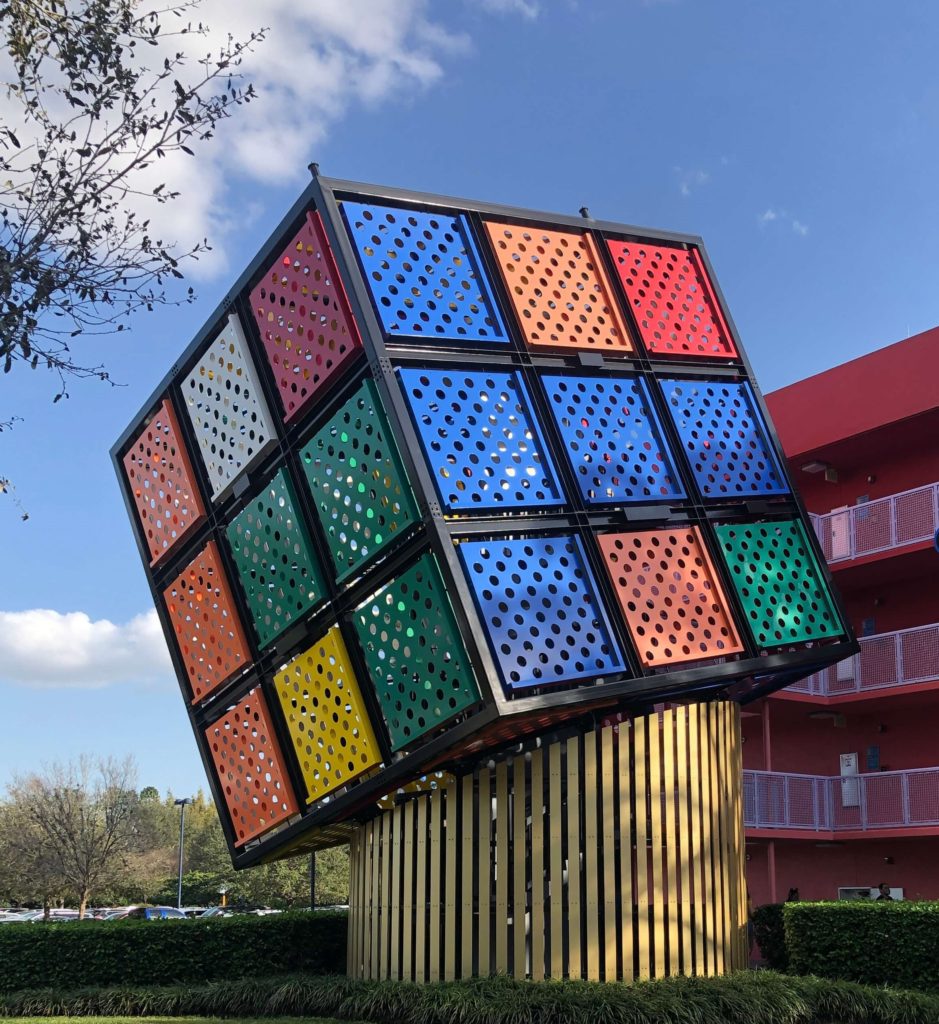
{"x":744,"y":677}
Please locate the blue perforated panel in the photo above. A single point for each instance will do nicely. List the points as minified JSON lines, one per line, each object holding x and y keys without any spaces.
{"x":725,"y":438}
{"x":481,"y":439}
{"x":424,"y":273}
{"x":614,"y":439}
{"x":544,"y":620}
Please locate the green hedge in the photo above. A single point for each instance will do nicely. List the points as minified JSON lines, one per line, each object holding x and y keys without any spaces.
{"x":877,"y":943}
{"x":749,"y":997}
{"x":770,"y":935}
{"x":96,"y":953}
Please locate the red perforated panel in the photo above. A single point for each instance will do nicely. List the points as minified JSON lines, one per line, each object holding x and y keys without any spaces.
{"x":162,"y":482}
{"x":208,"y":633}
{"x":672,"y":300}
{"x":250,"y":766}
{"x":304,"y":318}
{"x":670,"y":595}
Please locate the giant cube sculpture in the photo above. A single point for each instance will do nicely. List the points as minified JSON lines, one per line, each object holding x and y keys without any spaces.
{"x":441,"y":478}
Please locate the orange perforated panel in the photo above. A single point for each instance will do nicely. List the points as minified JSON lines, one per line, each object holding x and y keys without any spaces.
{"x":162,"y":482}
{"x":672,"y":300}
{"x":251,"y":769}
{"x":208,"y":633}
{"x":670,"y":595}
{"x":559,"y":290}
{"x":304,"y":318}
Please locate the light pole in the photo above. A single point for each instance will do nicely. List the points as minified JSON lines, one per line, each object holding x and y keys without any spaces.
{"x":181,"y":804}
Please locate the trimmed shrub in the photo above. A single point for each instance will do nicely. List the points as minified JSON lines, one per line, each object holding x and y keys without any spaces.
{"x":877,"y":943}
{"x":98,"y":953}
{"x":749,"y":997}
{"x":770,"y":935}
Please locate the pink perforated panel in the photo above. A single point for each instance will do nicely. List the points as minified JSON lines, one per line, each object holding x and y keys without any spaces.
{"x":672,"y":300}
{"x":251,"y":769}
{"x":304,"y":318}
{"x":161,"y":479}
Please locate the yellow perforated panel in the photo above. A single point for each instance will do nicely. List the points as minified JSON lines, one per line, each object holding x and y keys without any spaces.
{"x":326,"y":716}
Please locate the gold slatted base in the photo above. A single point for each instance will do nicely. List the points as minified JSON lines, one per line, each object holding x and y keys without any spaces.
{"x":613,"y":855}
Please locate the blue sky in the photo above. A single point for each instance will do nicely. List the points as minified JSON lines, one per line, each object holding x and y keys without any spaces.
{"x":800,"y":139}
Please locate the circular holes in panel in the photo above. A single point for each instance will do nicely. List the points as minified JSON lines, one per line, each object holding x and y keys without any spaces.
{"x":778,"y":582}
{"x":539,"y":606}
{"x":670,"y":595}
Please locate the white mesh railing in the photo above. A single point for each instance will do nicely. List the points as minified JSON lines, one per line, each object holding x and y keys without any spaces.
{"x":900,"y":658}
{"x":823,"y":803}
{"x":898,"y":519}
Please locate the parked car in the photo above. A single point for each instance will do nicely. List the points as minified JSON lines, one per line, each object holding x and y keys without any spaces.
{"x":147,"y":914}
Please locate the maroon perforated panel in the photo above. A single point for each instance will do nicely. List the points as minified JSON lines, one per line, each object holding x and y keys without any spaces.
{"x":163,"y":484}
{"x":251,"y":769}
{"x":672,"y":300}
{"x":208,"y":632}
{"x":304,"y":318}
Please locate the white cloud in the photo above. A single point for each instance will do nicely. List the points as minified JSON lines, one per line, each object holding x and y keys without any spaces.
{"x":46,"y":649}
{"x":527,"y":8}
{"x":771,"y":214}
{"x":691,"y":180}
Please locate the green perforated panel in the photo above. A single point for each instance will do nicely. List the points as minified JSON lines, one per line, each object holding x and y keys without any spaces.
{"x":775,"y":574}
{"x":276,"y":564}
{"x":361,"y":492}
{"x":414,"y":653}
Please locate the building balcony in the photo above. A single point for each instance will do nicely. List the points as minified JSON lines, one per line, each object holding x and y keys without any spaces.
{"x":906,"y":657}
{"x":832,"y":807}
{"x":874,"y":527}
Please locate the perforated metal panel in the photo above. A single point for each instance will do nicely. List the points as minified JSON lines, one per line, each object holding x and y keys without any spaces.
{"x":303,"y":315}
{"x":481,"y":438}
{"x":725,"y":439}
{"x":672,"y":300}
{"x":414,"y":653}
{"x":424,"y":273}
{"x":670,"y":595}
{"x":228,"y":413}
{"x":326,"y":716}
{"x":362,"y":494}
{"x":778,"y":582}
{"x":614,"y":439}
{"x":250,"y":768}
{"x":208,"y":631}
{"x":278,"y":569}
{"x":558,"y":287}
{"x":162,"y":483}
{"x":537,"y":598}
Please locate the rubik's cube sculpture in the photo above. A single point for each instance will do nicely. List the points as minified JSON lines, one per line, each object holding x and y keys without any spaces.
{"x":439,"y":475}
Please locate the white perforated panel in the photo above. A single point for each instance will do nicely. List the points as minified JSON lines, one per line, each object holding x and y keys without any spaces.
{"x":226,"y":407}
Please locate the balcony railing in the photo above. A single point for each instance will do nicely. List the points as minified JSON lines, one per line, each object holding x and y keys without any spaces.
{"x":822,"y":803}
{"x":879,"y":525}
{"x":901,"y":658}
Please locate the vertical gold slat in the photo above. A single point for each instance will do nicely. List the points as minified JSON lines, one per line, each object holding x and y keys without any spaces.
{"x":572,"y":796}
{"x":590,"y":848}
{"x":640,"y":733}
{"x":374,"y":905}
{"x":501,"y":920}
{"x":737,"y":776}
{"x":420,"y":893}
{"x":407,"y":902}
{"x":707,"y":843}
{"x":354,"y":905}
{"x":672,"y":839}
{"x":684,"y":776}
{"x":607,"y":830}
{"x":655,"y":796}
{"x":394,"y":901}
{"x":359,"y":872}
{"x":433,"y":931}
{"x":387,"y":923}
{"x":484,"y":902}
{"x":537,"y":865}
{"x":519,"y":891}
{"x":717,"y":891}
{"x":465,"y":878}
{"x":727,"y":880}
{"x":625,"y":854}
{"x":452,"y":867}
{"x":697,"y":862}
{"x":730,"y":842}
{"x":556,"y":859}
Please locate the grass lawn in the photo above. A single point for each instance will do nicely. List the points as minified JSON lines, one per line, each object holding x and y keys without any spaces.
{"x":173,"y":1020}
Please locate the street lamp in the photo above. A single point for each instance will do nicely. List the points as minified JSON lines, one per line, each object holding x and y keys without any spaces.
{"x":181,"y":804}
